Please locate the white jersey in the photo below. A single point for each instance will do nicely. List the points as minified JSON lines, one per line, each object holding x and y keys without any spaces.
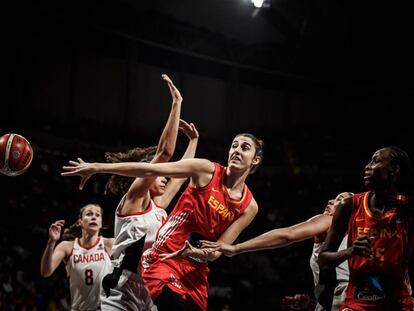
{"x":342,"y":274}
{"x":129,"y":228}
{"x":130,"y":294}
{"x":85,"y":267}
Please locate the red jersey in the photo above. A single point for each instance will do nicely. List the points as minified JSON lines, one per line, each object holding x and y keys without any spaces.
{"x":206,"y":212}
{"x":381,"y":283}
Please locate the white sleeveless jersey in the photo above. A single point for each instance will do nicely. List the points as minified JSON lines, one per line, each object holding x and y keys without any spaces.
{"x":129,"y":228}
{"x":130,"y":294}
{"x":342,"y":274}
{"x":85,"y":269}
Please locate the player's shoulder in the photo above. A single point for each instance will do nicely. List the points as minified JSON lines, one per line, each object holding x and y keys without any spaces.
{"x":66,"y":246}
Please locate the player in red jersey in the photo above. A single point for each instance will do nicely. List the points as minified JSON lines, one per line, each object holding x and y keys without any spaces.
{"x":380,"y":237}
{"x":217,"y":205}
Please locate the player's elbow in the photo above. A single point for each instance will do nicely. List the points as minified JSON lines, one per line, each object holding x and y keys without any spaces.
{"x":166,"y":153}
{"x":323,"y":260}
{"x":45,"y":273}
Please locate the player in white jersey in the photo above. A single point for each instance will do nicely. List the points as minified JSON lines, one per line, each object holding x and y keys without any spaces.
{"x":141,"y":213}
{"x":86,"y":257}
{"x":316,"y":227}
{"x":329,"y":283}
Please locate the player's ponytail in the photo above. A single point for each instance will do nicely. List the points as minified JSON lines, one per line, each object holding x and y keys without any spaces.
{"x":73,"y":232}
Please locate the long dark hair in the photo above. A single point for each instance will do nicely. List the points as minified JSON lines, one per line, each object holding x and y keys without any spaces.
{"x":75,"y":231}
{"x":120,"y":184}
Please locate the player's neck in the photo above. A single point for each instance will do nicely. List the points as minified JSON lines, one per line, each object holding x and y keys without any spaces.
{"x":88,"y":239}
{"x":380,"y":201}
{"x":234,"y":181}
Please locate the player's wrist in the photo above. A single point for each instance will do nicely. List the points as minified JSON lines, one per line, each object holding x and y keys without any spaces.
{"x":51,"y":242}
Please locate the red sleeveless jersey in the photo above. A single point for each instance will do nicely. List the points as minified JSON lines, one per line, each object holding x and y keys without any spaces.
{"x":199,"y":214}
{"x":381,"y":283}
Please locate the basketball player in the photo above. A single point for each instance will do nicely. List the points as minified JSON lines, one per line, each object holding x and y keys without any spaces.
{"x":217,"y":205}
{"x":317,"y":228}
{"x":86,"y":257}
{"x":141,"y":212}
{"x":138,"y":217}
{"x":380,"y":238}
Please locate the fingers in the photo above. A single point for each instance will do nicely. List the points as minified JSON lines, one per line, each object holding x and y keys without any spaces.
{"x":166,"y":78}
{"x":166,"y":256}
{"x":59,"y":222}
{"x":83,"y":181}
{"x":362,"y":246}
{"x":208,"y":244}
{"x":68,"y":168}
{"x":175,"y":93}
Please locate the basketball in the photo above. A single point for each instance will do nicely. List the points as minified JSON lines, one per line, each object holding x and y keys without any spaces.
{"x":16,"y":154}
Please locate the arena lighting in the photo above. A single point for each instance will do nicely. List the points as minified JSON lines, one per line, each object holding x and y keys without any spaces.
{"x":257,"y":3}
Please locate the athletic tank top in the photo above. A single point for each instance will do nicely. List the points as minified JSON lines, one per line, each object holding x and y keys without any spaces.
{"x":330,"y":285}
{"x":342,"y":271}
{"x":380,"y":283}
{"x":199,"y":214}
{"x":85,"y":267}
{"x":129,"y":228}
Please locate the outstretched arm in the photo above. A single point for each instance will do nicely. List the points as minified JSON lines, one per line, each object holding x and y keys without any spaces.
{"x":276,"y":238}
{"x":200,"y":170}
{"x":175,"y":183}
{"x":52,"y":256}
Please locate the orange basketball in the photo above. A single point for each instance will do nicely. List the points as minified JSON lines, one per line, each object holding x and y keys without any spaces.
{"x":16,"y":154}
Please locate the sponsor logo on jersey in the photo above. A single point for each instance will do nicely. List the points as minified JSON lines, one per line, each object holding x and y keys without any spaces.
{"x":369,"y":289}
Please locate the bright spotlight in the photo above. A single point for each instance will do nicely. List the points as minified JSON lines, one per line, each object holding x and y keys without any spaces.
{"x":257,"y":3}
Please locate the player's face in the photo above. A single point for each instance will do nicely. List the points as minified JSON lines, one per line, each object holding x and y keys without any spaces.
{"x":91,"y":218}
{"x":377,"y":171}
{"x":333,"y":204}
{"x":158,"y":186}
{"x":242,"y":153}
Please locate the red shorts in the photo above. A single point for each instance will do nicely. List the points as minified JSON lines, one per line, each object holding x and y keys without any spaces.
{"x":183,"y":277}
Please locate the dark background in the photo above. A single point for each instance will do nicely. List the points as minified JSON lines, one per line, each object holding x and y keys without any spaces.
{"x":323,"y":83}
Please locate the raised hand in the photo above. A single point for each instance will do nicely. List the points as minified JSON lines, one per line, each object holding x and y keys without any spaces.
{"x":79,"y":168}
{"x":188,"y":129}
{"x":227,"y":249}
{"x":175,"y":93}
{"x":55,"y":229}
{"x":362,"y":247}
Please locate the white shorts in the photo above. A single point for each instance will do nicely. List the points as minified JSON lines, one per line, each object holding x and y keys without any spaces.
{"x":129,"y":295}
